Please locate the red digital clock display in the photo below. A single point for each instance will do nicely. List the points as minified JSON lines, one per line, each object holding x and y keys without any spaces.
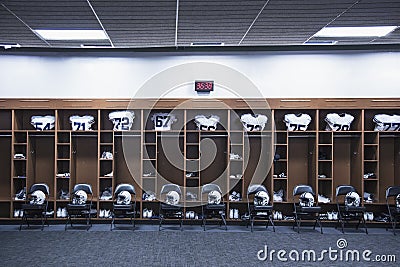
{"x":204,"y":86}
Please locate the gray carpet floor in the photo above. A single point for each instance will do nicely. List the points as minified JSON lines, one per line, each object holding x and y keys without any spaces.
{"x":146,"y":246}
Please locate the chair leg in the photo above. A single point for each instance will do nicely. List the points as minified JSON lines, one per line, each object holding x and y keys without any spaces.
{"x":251,"y":224}
{"x":272,"y":222}
{"x":224,"y":221}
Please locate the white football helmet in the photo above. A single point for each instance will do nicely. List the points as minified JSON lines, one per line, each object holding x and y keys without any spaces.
{"x":352,"y":199}
{"x":306,"y":199}
{"x":80,"y":197}
{"x":398,"y":201}
{"x":214,"y":197}
{"x":37,"y":197}
{"x":124,"y":198}
{"x":172,"y":198}
{"x":261,"y":198}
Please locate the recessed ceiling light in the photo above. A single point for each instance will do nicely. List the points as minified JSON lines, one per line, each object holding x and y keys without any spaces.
{"x":207,"y":44}
{"x":374,"y":31}
{"x":72,"y":34}
{"x":320,"y":42}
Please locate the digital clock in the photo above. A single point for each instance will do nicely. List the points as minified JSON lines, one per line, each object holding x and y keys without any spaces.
{"x":204,"y":86}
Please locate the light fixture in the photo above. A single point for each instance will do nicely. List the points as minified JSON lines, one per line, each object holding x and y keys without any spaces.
{"x":207,"y":44}
{"x":57,"y":34}
{"x":8,"y":46}
{"x":320,"y":42}
{"x":374,"y":31}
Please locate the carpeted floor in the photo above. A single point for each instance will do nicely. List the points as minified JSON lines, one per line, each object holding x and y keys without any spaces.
{"x":146,"y":246}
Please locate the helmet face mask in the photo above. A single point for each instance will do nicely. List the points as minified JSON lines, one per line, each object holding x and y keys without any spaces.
{"x":214,"y":197}
{"x":80,"y":197}
{"x":306,"y":199}
{"x":261,"y":198}
{"x":172,"y":198}
{"x":352,"y":199}
{"x":37,"y":198}
{"x":124,"y":198}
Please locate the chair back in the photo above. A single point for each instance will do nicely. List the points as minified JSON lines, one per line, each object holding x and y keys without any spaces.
{"x":170,"y":187}
{"x":300,"y":189}
{"x":392,"y":191}
{"x":125,"y":187}
{"x":42,"y":187}
{"x":255,"y":188}
{"x":207,"y":188}
{"x":343,"y":190}
{"x":85,"y":187}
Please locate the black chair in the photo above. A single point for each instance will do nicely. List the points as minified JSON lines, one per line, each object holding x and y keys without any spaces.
{"x":212,"y":210}
{"x":79,"y":209}
{"x":305,"y":212}
{"x":349,"y":213}
{"x":36,"y":205}
{"x":258,"y":210}
{"x":168,"y":210}
{"x":124,"y":208}
{"x":393,"y":210}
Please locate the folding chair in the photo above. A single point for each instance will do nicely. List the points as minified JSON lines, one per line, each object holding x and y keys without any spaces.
{"x":212,"y":209}
{"x":260,"y":207}
{"x":393,"y":210}
{"x":171,"y":207}
{"x":35,"y":205}
{"x":80,"y":206}
{"x":124,"y":206}
{"x":353,"y":211}
{"x":305,"y":208}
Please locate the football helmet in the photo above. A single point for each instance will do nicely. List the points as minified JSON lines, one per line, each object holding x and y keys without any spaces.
{"x":214,"y":197}
{"x":398,"y":201}
{"x":80,"y":197}
{"x":124,"y":198}
{"x":306,"y":199}
{"x":37,"y":198}
{"x":261,"y":198}
{"x":172,"y":198}
{"x":352,"y":199}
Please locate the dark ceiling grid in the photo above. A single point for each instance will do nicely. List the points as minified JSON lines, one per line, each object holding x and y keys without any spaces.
{"x":138,"y":23}
{"x":152,"y":23}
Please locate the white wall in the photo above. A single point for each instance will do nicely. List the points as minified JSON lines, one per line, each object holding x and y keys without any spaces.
{"x":274,"y":75}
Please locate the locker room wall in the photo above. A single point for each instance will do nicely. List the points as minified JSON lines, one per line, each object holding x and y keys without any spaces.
{"x":275,"y":75}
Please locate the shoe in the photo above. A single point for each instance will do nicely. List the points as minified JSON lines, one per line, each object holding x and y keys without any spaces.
{"x":278,"y":196}
{"x":106,"y":194}
{"x":145,"y":213}
{"x":233,"y":156}
{"x":187,"y":216}
{"x":109,"y":174}
{"x":369,"y":175}
{"x":21,"y":195}
{"x":64,"y":195}
{"x":370,"y":216}
{"x":368,"y":197}
{"x":230,"y":213}
{"x":149,"y":213}
{"x":149,"y":196}
{"x":323,"y":199}
{"x":106,"y":155}
{"x":16,"y":213}
{"x":191,"y":196}
{"x":19,"y":156}
{"x":58,"y":214}
{"x":101,"y":214}
{"x":64,"y":213}
{"x":335,"y":215}
{"x":330,"y":217}
{"x":280,"y":216}
{"x":236,"y":214}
